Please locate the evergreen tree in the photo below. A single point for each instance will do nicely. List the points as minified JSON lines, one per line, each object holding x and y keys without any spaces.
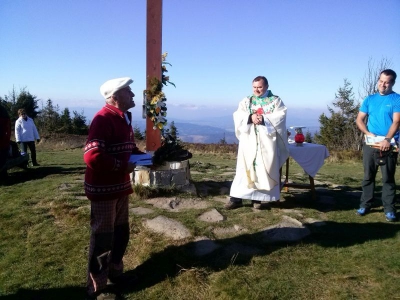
{"x":223,"y":140}
{"x":14,"y":101}
{"x":339,"y":131}
{"x":79,"y":123}
{"x":137,"y":134}
{"x":27,"y":101}
{"x":49,"y":119}
{"x":65,"y":121}
{"x":173,"y":131}
{"x":308,"y":137}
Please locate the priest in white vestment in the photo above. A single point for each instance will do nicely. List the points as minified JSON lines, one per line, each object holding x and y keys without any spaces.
{"x":260,"y":126}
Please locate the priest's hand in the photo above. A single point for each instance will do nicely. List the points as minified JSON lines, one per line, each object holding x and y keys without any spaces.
{"x":257,"y":119}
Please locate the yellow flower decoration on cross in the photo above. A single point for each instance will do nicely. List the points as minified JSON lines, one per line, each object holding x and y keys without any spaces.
{"x":156,"y":107}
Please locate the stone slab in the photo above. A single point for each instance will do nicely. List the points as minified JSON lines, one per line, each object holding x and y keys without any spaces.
{"x":176,"y":204}
{"x":203,"y":246}
{"x":168,"y":227}
{"x":211,"y":216}
{"x":288,"y":230}
{"x":139,"y":211}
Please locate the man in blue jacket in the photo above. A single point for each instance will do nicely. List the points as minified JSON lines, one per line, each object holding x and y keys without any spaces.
{"x":383,"y":111}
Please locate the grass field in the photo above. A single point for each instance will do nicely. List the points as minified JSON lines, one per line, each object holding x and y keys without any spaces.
{"x":44,"y":236}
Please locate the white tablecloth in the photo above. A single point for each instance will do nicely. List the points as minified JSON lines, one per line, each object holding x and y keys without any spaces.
{"x":309,"y":156}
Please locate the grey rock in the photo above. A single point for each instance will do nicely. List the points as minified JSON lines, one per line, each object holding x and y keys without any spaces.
{"x":222,"y":199}
{"x":314,"y":222}
{"x":141,"y":211}
{"x":175,"y":204}
{"x":292,"y":211}
{"x":64,"y":186}
{"x":168,"y":227}
{"x":204,"y":246}
{"x":229,"y":231}
{"x":212,"y":216}
{"x":288,"y":230}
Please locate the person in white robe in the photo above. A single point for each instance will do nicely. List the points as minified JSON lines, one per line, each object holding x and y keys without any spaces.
{"x":260,"y":127}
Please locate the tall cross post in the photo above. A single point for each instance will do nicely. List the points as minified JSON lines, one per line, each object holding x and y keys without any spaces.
{"x":153,"y":63}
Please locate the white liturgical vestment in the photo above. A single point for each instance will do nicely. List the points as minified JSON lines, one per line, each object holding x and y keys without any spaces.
{"x":263,"y":149}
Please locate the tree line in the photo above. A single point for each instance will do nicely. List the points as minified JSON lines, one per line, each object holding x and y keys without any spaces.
{"x":48,"y":118}
{"x":338,"y":129}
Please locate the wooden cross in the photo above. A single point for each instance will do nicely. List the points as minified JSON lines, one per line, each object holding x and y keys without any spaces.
{"x":153,"y":63}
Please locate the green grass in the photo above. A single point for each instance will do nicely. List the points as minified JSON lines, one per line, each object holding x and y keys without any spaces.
{"x":44,"y":236}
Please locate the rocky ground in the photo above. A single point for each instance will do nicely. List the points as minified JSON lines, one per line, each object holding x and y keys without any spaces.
{"x":294,"y":224}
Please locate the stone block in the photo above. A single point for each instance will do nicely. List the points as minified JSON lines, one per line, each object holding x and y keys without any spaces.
{"x":179,"y":178}
{"x":171,"y":174}
{"x":142,"y":177}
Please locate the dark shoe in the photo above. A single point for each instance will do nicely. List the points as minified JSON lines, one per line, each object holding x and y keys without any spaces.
{"x":233,"y":204}
{"x":122,"y":281}
{"x":362,"y":211}
{"x":35,"y":164}
{"x":103,"y":296}
{"x":390,"y":216}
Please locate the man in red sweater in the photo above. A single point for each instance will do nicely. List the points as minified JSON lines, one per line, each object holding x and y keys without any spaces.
{"x":107,"y":185}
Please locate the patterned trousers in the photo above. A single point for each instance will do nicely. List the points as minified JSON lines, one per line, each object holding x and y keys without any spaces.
{"x":109,"y":222}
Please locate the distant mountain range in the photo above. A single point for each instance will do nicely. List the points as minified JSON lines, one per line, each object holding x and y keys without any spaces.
{"x":213,"y":130}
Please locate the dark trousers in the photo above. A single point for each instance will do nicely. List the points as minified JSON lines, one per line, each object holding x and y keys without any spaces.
{"x":3,"y":160}
{"x":31,"y":145}
{"x":109,"y":222}
{"x":388,"y":183}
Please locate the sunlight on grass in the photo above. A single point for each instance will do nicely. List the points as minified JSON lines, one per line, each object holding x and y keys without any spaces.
{"x":44,"y":236}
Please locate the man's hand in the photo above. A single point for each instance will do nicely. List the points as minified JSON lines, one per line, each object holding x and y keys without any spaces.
{"x":38,"y":140}
{"x":130,"y":167}
{"x":384,"y":145}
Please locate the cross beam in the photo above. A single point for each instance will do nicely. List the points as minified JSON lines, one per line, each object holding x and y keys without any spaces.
{"x":153,"y":63}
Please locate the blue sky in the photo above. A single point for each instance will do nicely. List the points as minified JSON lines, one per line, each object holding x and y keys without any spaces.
{"x":64,"y":50}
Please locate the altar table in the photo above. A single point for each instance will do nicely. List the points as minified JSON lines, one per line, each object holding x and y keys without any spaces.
{"x":311,"y":158}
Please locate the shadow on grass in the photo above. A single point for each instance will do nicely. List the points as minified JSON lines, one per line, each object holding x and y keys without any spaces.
{"x":237,"y":250}
{"x":40,"y":173}
{"x":241,"y":249}
{"x":65,"y":293}
{"x":326,"y":199}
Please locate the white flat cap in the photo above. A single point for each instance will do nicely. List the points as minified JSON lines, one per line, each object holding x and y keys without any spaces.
{"x":109,"y":87}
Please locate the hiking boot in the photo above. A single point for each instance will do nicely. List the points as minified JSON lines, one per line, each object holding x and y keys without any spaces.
{"x":390,"y":216}
{"x":103,"y":296}
{"x":233,"y":204}
{"x":362,"y":211}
